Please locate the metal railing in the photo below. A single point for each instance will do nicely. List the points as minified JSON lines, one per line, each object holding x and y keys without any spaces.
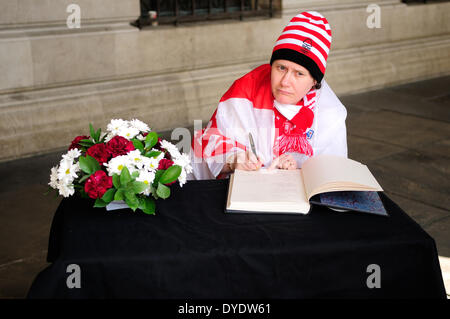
{"x":179,"y":11}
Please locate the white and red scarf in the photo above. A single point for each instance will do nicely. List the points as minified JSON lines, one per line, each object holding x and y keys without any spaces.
{"x":291,"y":123}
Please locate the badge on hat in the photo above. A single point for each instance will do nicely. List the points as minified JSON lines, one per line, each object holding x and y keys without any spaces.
{"x":306,"y":46}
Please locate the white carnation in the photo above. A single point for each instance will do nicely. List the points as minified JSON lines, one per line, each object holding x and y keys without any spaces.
{"x":152,"y":164}
{"x":116,"y":165}
{"x":54,"y":177}
{"x":66,"y":190}
{"x":172,"y":149}
{"x":137,"y":159}
{"x":139,"y":125}
{"x":115,"y":125}
{"x":147,"y":178}
{"x":72,"y":154}
{"x":182,"y":160}
{"x":67,"y":171}
{"x":128,"y":132}
{"x":182,"y":178}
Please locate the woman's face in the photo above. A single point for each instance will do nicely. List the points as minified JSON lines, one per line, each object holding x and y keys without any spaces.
{"x":290,"y":81}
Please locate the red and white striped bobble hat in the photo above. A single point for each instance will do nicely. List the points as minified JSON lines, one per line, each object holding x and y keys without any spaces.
{"x":306,"y":40}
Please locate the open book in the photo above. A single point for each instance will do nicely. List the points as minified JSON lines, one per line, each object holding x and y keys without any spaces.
{"x":291,"y":191}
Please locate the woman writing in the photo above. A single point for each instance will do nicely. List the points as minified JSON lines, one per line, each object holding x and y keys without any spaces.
{"x":286,"y":106}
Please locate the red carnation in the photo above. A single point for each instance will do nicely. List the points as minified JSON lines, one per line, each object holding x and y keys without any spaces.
{"x":97,"y":184}
{"x":165,"y":163}
{"x":119,"y":145}
{"x":99,"y":152}
{"x":75,"y":142}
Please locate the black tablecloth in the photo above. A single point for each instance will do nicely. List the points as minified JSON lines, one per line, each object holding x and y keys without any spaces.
{"x":192,"y":249}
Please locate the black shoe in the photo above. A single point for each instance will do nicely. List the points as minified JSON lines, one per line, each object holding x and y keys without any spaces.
{"x":144,"y":21}
{"x":135,"y":24}
{"x":141,"y":22}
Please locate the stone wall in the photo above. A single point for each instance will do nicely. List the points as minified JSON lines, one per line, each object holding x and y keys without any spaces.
{"x":56,"y":80}
{"x":45,"y":13}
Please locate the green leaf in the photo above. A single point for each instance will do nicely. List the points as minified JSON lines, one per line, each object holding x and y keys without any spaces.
{"x":91,"y":129}
{"x":153,"y":191}
{"x":89,"y":164}
{"x":151,"y":139}
{"x":163,"y":191}
{"x":135,"y":174}
{"x":119,"y":195}
{"x":131,"y":200}
{"x":138,"y":187}
{"x":109,"y":195}
{"x":153,"y":153}
{"x":125,"y":176}
{"x":147,"y":205}
{"x":130,"y":195}
{"x":158,"y":176}
{"x":171,"y":174}
{"x":116,"y":181}
{"x":85,"y":144}
{"x":100,"y":203}
{"x":85,"y":177}
{"x":132,"y":205}
{"x":97,"y":135}
{"x":138,"y":145}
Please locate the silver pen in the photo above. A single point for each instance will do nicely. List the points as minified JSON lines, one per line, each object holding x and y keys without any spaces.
{"x":252,"y":144}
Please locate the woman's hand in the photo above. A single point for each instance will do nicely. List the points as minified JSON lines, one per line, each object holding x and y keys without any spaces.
{"x":285,"y":161}
{"x":246,"y":161}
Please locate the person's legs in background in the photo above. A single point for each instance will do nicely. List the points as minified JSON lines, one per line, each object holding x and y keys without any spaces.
{"x":144,"y":18}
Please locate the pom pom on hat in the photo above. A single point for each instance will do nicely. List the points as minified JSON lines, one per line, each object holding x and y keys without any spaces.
{"x":306,"y":40}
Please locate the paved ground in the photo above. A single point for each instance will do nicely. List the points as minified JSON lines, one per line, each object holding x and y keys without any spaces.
{"x":402,"y":133}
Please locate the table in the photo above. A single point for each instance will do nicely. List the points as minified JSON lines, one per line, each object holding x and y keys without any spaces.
{"x":192,"y":249}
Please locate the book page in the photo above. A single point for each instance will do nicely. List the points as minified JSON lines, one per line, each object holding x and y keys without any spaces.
{"x":326,"y":173}
{"x":268,"y":191}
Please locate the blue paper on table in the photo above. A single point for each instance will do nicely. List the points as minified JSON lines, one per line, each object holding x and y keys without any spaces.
{"x":366,"y":202}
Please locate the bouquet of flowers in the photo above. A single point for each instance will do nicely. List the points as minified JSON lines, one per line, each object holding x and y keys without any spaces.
{"x":128,"y":163}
